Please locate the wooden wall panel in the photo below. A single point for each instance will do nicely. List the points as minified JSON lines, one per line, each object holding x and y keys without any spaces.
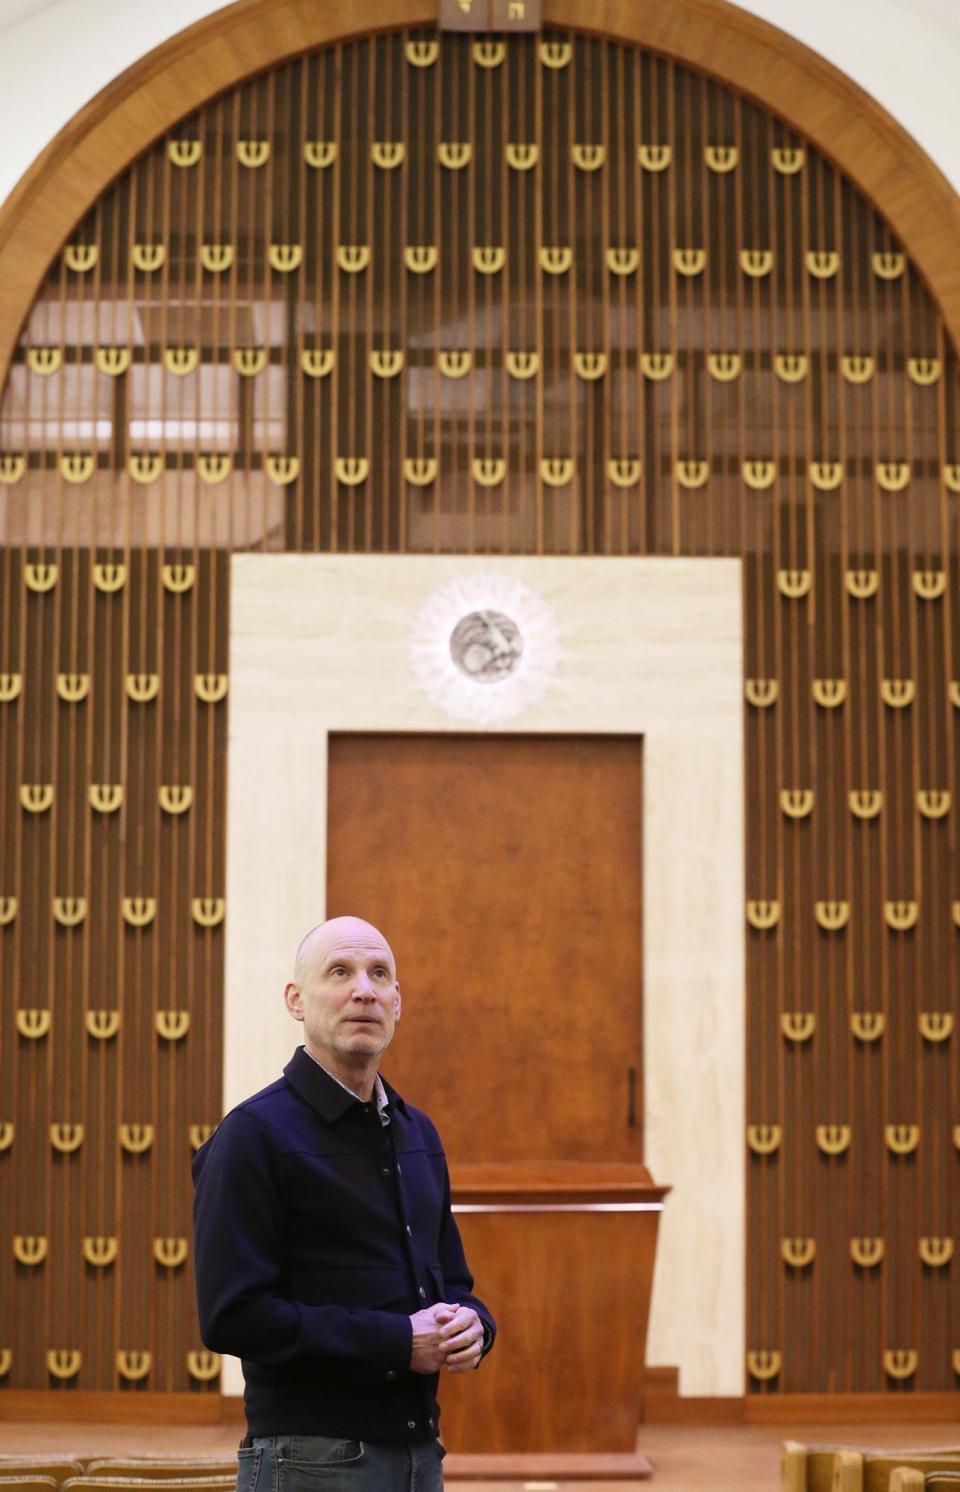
{"x":542,"y":997}
{"x":411,"y":294}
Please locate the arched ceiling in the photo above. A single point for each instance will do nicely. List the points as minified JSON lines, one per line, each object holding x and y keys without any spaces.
{"x":753,"y":56}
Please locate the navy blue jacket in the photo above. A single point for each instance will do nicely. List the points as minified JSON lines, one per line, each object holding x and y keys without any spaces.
{"x":319,"y":1232}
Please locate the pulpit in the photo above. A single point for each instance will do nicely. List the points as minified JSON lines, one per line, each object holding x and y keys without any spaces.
{"x":565,"y":1254}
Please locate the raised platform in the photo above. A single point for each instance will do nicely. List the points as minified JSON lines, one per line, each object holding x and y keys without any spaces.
{"x":557,"y":1467}
{"x":663,"y":1406}
{"x":686,"y":1458}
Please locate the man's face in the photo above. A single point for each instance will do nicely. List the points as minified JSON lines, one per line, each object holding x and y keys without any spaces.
{"x":347,"y":996}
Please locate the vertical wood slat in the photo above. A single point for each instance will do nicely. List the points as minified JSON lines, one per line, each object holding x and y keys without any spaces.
{"x":621,"y":98}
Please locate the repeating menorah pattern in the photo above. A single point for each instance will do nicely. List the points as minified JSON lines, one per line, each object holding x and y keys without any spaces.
{"x":543,"y":295}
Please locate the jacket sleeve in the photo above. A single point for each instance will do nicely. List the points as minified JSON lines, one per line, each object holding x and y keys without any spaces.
{"x":457,"y":1279}
{"x":238,"y":1215}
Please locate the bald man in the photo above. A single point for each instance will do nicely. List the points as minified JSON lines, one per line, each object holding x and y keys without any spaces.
{"x":327,"y":1256}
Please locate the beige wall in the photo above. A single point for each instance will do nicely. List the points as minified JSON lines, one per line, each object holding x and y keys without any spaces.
{"x":647,"y":646}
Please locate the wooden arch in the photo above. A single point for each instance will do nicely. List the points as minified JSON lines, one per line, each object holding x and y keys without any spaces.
{"x":715,"y":37}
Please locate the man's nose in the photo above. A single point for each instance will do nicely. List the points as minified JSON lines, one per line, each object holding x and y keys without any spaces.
{"x":362,"y":987}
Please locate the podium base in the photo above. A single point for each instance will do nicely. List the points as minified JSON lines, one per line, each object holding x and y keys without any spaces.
{"x":573,"y":1466}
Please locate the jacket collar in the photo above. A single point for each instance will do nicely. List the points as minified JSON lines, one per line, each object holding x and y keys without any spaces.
{"x":322,"y":1093}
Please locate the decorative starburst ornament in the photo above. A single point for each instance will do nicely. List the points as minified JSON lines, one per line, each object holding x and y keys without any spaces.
{"x":484,"y":648}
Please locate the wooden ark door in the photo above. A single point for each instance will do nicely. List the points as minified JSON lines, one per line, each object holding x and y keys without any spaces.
{"x":506,"y":872}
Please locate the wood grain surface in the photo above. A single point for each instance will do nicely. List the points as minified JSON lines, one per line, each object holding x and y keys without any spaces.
{"x":506,"y":872}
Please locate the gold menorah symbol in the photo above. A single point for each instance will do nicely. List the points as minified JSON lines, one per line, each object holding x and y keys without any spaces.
{"x":181,"y":360}
{"x":109,"y":578}
{"x":761,"y":692}
{"x":763,"y":1363}
{"x":862,"y":583}
{"x":387,"y":154}
{"x":787,"y":160}
{"x":555,"y":54}
{"x":73,"y":687}
{"x":867,"y":1252}
{"x":100,"y":1251}
{"x":285,"y":257}
{"x":900,"y":1362}
{"x":721,"y":158}
{"x":29,"y":1249}
{"x":763,"y":915}
{"x":351,"y":470}
{"x":832,"y":916}
{"x":136,"y":1139}
{"x":12,"y":467}
{"x":81,"y":257}
{"x":66,"y":1138}
{"x":868,"y":1025}
{"x":822,"y":263}
{"x":64,"y":1362}
{"x":213,"y":467}
{"x":588,"y":157}
{"x":724,"y":366}
{"x":791,"y":367}
{"x":757,"y":263}
{"x":317,"y":362}
{"x":857,"y":368}
{"x":798,"y":1252}
{"x":172,"y":1025}
{"x":833,"y":1139}
{"x":556,"y":471}
{"x":138,"y":911}
{"x":208,"y":911}
{"x":200,"y":1134}
{"x":656,"y":365}
{"x":386,"y":363}
{"x":764,"y":1139}
{"x":654,"y":157}
{"x":420,"y":471}
{"x":148,"y":257}
{"x":249,"y":361}
{"x":133,"y":1366}
{"x":522,"y":156}
{"x":203,"y":1366}
{"x":689,"y":261}
{"x":34,"y":1024}
{"x":184,"y":152}
{"x":210,"y":687}
{"x":253,"y":153}
{"x":44,"y":360}
{"x":556,"y":259}
{"x":454,"y":154}
{"x":523,"y":364}
{"x":354,"y":257}
{"x":798,"y":1025}
{"x":422,"y":53}
{"x":829,"y":693}
{"x":282,"y":470}
{"x":320,"y":153}
{"x":144,"y":466}
{"x":175,"y":797}
{"x":113,"y":361}
{"x":102,"y":1024}
{"x":170,"y":1252}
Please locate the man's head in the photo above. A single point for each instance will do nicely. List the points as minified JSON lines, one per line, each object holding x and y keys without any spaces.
{"x":345,"y":991}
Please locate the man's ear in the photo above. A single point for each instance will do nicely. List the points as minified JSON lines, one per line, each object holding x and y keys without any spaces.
{"x":396,"y":1004}
{"x":293,"y":1000}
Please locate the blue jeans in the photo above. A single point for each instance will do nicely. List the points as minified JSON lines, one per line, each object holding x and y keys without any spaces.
{"x":316,"y":1463}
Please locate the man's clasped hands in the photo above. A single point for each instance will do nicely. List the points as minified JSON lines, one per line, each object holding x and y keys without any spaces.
{"x":448,"y":1336}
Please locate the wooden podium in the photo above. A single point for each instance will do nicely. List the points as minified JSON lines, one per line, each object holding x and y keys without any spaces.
{"x":563,"y":1252}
